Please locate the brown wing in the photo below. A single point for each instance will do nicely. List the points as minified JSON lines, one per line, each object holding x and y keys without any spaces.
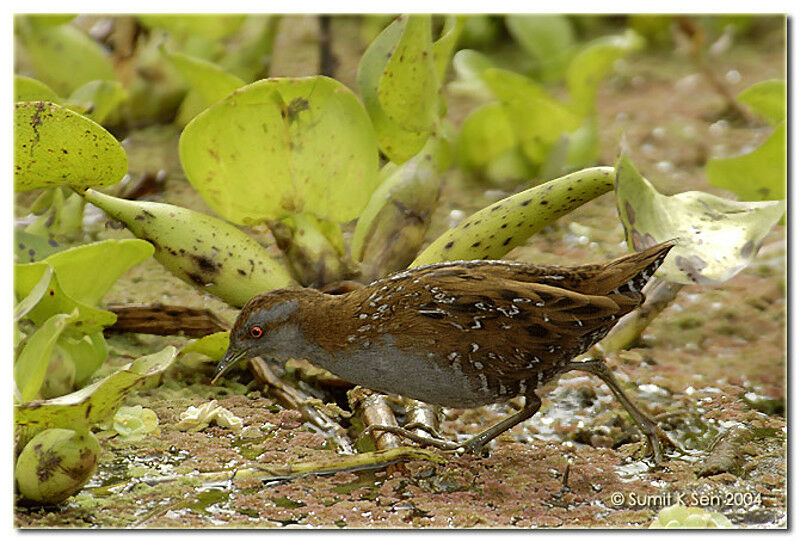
{"x":509,"y":330}
{"x":593,"y":279}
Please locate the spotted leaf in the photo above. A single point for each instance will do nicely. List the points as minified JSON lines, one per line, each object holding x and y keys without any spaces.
{"x":718,"y":237}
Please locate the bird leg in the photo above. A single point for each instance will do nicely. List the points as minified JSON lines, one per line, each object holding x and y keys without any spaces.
{"x":647,"y":426}
{"x":475,"y":444}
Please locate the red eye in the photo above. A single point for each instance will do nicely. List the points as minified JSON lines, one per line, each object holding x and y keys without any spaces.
{"x":256,"y":332}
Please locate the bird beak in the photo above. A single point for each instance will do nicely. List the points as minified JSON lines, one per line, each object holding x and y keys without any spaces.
{"x":228,"y":360}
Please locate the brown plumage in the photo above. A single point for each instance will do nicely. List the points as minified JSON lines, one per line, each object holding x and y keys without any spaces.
{"x":459,"y":334}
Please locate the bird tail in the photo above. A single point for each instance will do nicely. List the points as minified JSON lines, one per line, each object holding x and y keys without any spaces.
{"x":628,"y":274}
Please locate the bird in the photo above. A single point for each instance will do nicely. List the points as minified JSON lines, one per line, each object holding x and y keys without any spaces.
{"x":459,"y":334}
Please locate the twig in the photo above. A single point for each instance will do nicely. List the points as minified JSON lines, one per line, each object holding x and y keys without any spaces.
{"x":158,"y":319}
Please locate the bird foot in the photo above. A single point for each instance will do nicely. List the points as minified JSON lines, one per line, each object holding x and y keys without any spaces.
{"x":439,"y":443}
{"x":653,"y":446}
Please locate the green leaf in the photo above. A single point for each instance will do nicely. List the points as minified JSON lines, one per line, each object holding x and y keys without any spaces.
{"x":88,"y":406}
{"x":35,"y":295}
{"x":408,"y":88}
{"x":717,"y":237}
{"x":206,"y":78}
{"x":588,"y":68}
{"x":65,"y":58}
{"x":86,"y":352}
{"x":27,"y":89}
{"x":485,"y":135}
{"x":443,"y":47}
{"x":86,"y":272}
{"x":391,"y":229}
{"x":31,"y":248}
{"x":134,"y":422}
{"x":54,"y":146}
{"x":767,"y":99}
{"x":549,"y":39}
{"x":494,"y":230}
{"x":214,"y":346}
{"x":538,"y":120}
{"x":214,"y":27}
{"x":99,"y":99}
{"x":397,"y":143}
{"x":55,"y":301}
{"x":30,"y":368}
{"x":280,"y":147}
{"x":758,"y":175}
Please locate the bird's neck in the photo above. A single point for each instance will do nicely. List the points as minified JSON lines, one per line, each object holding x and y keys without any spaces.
{"x":316,"y":330}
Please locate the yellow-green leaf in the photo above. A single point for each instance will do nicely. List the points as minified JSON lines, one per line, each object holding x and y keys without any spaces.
{"x":549,"y":39}
{"x":485,"y":135}
{"x":64,"y":57}
{"x":55,"y":300}
{"x":88,"y":406}
{"x":280,"y":147}
{"x":594,"y":61}
{"x":718,"y":237}
{"x":27,"y":89}
{"x":98,"y":99}
{"x":538,"y":119}
{"x":208,"y":79}
{"x":54,"y":146}
{"x":757,"y":175}
{"x":767,"y":99}
{"x":214,"y":346}
{"x":397,"y":143}
{"x":408,"y":88}
{"x":31,"y":365}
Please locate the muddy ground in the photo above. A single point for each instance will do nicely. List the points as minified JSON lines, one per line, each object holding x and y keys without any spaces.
{"x":711,"y":369}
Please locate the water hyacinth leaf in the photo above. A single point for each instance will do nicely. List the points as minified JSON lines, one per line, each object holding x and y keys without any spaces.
{"x":280,"y":147}
{"x":549,"y":39}
{"x":469,"y":66}
{"x":392,"y":227}
{"x":64,"y":57}
{"x":209,"y":80}
{"x":494,"y":230}
{"x":443,"y":47}
{"x":90,"y":405}
{"x":408,"y":88}
{"x":187,"y":25}
{"x":718,"y":237}
{"x":29,"y":247}
{"x":86,"y":352}
{"x":31,"y":365}
{"x":27,"y":89}
{"x":214,"y":346}
{"x":98,"y":99}
{"x":44,"y":20}
{"x":35,"y":295}
{"x":56,"y":301}
{"x":54,"y":146}
{"x":767,"y":99}
{"x":588,"y":68}
{"x":397,"y":143}
{"x":758,"y":175}
{"x":485,"y":134}
{"x":105,"y":261}
{"x":134,"y":422}
{"x":538,"y":120}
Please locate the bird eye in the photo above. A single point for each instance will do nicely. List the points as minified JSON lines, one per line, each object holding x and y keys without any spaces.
{"x":256,"y":332}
